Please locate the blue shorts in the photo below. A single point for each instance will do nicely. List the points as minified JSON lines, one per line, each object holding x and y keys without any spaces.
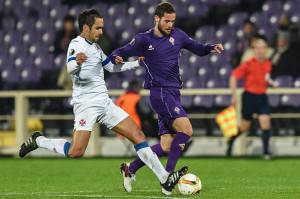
{"x":254,"y":103}
{"x":166,"y":103}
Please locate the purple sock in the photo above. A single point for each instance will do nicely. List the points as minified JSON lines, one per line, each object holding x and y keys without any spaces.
{"x":177,"y":147}
{"x":138,"y":163}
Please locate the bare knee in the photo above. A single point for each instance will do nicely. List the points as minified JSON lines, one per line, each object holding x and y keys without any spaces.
{"x":166,"y":146}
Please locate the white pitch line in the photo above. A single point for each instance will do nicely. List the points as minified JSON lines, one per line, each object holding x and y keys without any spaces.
{"x":71,"y":194}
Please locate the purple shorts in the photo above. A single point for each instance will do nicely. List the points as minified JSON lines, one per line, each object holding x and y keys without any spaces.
{"x":166,"y":103}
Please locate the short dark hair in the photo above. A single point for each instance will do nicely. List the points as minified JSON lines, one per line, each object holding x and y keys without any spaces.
{"x":259,"y":37}
{"x":164,"y":7}
{"x":69,"y":18}
{"x":87,"y":17}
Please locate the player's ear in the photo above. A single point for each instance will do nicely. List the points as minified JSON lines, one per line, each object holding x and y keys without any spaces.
{"x":85,"y":28}
{"x":156,"y":19}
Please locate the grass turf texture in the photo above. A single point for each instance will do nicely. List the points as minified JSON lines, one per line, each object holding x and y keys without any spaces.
{"x":100,"y":178}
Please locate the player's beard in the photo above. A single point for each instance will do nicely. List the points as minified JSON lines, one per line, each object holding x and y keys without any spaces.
{"x":162,"y":31}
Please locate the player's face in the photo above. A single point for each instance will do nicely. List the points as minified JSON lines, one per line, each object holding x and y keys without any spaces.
{"x":166,"y":23}
{"x":96,"y":31}
{"x":260,"y":49}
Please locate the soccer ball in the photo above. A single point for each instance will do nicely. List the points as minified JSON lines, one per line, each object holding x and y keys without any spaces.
{"x":189,"y":184}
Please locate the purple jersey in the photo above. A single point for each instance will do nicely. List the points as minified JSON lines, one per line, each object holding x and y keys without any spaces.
{"x":161,"y":55}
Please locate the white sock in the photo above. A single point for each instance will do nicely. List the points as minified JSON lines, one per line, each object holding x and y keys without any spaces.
{"x":151,"y":160}
{"x":55,"y":145}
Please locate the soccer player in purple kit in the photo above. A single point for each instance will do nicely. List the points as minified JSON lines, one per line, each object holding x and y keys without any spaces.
{"x":160,"y":46}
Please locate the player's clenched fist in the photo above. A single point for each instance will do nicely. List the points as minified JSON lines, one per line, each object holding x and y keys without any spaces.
{"x":80,"y":58}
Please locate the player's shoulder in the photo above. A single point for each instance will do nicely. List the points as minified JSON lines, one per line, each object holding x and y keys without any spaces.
{"x":177,"y":30}
{"x":77,"y":41}
{"x":144,"y":35}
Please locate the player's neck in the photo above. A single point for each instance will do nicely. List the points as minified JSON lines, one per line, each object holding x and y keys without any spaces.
{"x":85,"y":37}
{"x":157,"y":32}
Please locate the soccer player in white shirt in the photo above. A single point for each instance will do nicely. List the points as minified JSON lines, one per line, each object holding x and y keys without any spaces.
{"x":85,"y":63}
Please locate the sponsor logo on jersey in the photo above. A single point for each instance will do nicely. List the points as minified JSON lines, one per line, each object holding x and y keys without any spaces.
{"x":150,"y":47}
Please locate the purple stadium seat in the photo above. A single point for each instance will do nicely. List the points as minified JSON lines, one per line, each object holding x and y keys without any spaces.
{"x":291,"y":7}
{"x":290,"y":100}
{"x":272,"y":7}
{"x":295,"y":18}
{"x":30,"y":75}
{"x":187,"y":101}
{"x":126,"y":36}
{"x":60,"y":61}
{"x":259,"y":18}
{"x":205,"y":34}
{"x":191,"y":83}
{"x":225,"y":33}
{"x":10,"y":76}
{"x":203,"y":101}
{"x":274,"y":100}
{"x":222,"y":100}
{"x":197,"y":10}
{"x":215,"y":83}
{"x":237,"y":19}
{"x":284,"y":81}
{"x":297,"y":82}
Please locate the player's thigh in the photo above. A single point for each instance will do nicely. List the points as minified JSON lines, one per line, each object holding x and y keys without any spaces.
{"x":166,"y":141}
{"x":130,"y":130}
{"x":264,"y":121}
{"x":79,"y":143}
{"x":183,"y":124}
{"x":245,"y":125}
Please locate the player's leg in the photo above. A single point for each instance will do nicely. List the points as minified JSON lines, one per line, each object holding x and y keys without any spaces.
{"x":160,"y":149}
{"x":75,"y":149}
{"x":83,"y":123}
{"x":129,"y":129}
{"x":243,"y":127}
{"x":37,"y":140}
{"x":264,"y":120}
{"x":265,"y":125}
{"x":79,"y":143}
{"x":119,"y":121}
{"x":183,"y":127}
{"x":249,"y":107}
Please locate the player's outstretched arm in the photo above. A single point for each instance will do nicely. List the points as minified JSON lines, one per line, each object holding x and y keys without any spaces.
{"x":133,"y":48}
{"x":122,"y":67}
{"x":199,"y":48}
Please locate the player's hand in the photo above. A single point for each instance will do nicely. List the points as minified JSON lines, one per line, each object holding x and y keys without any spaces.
{"x":80,"y":58}
{"x":141,"y":59}
{"x":218,"y":48}
{"x":118,"y":60}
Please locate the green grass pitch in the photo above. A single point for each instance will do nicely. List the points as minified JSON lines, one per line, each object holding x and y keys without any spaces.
{"x":100,"y":178}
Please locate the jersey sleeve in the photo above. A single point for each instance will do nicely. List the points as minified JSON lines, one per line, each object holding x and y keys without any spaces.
{"x":241,"y":71}
{"x":109,"y":66}
{"x":134,"y":48}
{"x":194,"y":46}
{"x":73,"y":49}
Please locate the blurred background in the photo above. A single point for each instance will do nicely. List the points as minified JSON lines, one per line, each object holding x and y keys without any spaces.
{"x":35,"y":87}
